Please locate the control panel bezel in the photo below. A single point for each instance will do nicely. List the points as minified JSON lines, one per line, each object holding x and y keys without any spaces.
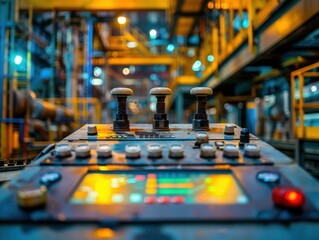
{"x":259,"y":207}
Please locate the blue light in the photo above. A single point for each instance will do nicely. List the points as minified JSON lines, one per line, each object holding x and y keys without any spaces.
{"x":18,"y":59}
{"x":170,"y":47}
{"x":196,"y":66}
{"x":245,"y":22}
{"x":210,"y":58}
{"x":153,"y":76}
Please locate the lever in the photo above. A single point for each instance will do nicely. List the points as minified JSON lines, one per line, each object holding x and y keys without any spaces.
{"x":121,"y":123}
{"x":160,"y":121}
{"x":200,"y":121}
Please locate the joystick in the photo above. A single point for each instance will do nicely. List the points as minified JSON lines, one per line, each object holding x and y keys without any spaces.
{"x":160,"y":121}
{"x":121,"y":122}
{"x":200,"y":121}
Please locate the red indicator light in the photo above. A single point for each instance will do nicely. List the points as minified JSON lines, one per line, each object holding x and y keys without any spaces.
{"x":151,"y":175}
{"x":164,"y":200}
{"x":150,"y":200}
{"x":139,"y":177}
{"x":288,"y":197}
{"x":178,"y":199}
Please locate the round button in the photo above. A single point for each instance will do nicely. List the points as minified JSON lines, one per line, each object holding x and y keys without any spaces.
{"x":231,"y":151}
{"x":32,"y":196}
{"x":161,"y":91}
{"x":150,"y":200}
{"x":133,"y":151}
{"x":176,"y":151}
{"x":252,"y":150}
{"x":154,"y":151}
{"x":82,"y":151}
{"x":50,"y":177}
{"x":121,"y":91}
{"x":63,"y":150}
{"x":201,"y":137}
{"x":104,"y":151}
{"x":207,"y":151}
{"x":201,"y":91}
{"x":229,"y":129}
{"x":92,"y":130}
{"x":178,"y":199}
{"x":268,"y":177}
{"x":163,"y":200}
{"x":288,"y":197}
{"x":244,"y":136}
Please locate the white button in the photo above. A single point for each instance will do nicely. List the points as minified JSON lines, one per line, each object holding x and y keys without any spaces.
{"x":154,"y":151}
{"x":252,"y":150}
{"x":231,"y":151}
{"x":201,"y":137}
{"x":176,"y":151}
{"x":229,"y":129}
{"x":92,"y":130}
{"x":133,"y":151}
{"x":207,"y":151}
{"x":104,"y":151}
{"x":82,"y":150}
{"x":63,"y":150}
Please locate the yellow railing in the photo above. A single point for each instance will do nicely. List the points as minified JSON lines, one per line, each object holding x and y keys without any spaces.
{"x":299,"y":106}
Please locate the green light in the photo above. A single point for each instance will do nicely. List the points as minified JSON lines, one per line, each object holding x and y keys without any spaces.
{"x":211,"y":188}
{"x":173,"y":191}
{"x":208,"y":180}
{"x":173,"y":180}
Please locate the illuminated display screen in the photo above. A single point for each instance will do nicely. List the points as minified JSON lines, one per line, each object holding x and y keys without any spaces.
{"x":159,"y":188}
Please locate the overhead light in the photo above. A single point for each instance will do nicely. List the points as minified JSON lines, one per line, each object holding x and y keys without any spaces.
{"x":153,"y":76}
{"x":121,"y":20}
{"x":210,"y":58}
{"x":18,"y":59}
{"x":170,"y":47}
{"x":210,"y":5}
{"x":153,"y":33}
{"x":314,"y":88}
{"x":245,"y":21}
{"x":196,"y":66}
{"x":191,"y":52}
{"x":97,"y":71}
{"x":132,"y":69}
{"x":131,"y":44}
{"x":126,"y":71}
{"x":96,"y":81}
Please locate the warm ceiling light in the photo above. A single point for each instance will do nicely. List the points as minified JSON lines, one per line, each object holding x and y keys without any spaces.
{"x":131,"y":44}
{"x":126,"y":71}
{"x":210,"y":5}
{"x":121,"y":20}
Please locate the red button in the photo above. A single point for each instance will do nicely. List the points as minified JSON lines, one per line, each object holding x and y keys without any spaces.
{"x":289,"y":197}
{"x":150,"y":200}
{"x":178,"y":199}
{"x":164,"y":200}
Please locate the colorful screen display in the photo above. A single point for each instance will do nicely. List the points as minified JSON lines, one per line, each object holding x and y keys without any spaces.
{"x":159,"y":188}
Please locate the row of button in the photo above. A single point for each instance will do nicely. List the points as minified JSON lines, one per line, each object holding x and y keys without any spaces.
{"x":155,"y":151}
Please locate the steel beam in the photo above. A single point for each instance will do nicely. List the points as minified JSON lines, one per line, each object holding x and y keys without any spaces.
{"x":161,"y":60}
{"x":277,"y":32}
{"x":95,"y":5}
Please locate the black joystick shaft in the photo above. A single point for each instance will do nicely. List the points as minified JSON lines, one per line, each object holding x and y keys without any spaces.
{"x":121,"y":122}
{"x":200,"y":121}
{"x":160,"y":121}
